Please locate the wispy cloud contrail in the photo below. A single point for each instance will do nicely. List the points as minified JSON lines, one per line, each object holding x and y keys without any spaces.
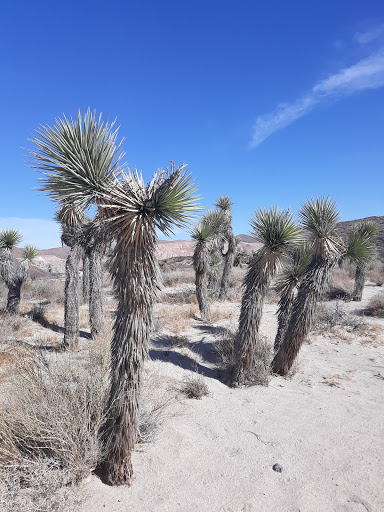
{"x":368,"y":73}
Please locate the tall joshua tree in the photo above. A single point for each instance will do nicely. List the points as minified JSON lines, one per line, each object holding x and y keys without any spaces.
{"x":207,"y":235}
{"x":362,"y":238}
{"x":14,"y":275}
{"x":287,"y":285}
{"x":319,"y":218}
{"x":278,"y":232}
{"x":224,"y":206}
{"x":81,"y":162}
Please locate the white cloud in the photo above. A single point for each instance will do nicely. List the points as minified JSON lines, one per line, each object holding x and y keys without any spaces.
{"x":369,"y":36}
{"x":368,"y":73}
{"x":44,"y":234}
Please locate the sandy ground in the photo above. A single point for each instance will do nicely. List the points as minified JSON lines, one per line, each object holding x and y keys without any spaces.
{"x":324,"y":426}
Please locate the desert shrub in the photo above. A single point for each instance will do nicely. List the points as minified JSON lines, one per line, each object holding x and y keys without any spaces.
{"x":38,"y":486}
{"x":261,"y":368}
{"x":183,"y":296}
{"x":177,"y":341}
{"x":177,"y":320}
{"x":224,"y":348}
{"x":326,"y":318}
{"x":194,"y":386}
{"x":156,"y":400}
{"x":376,"y":306}
{"x":50,"y":291}
{"x":376,"y":276}
{"x":173,"y":278}
{"x":219,"y":313}
{"x":53,"y":410}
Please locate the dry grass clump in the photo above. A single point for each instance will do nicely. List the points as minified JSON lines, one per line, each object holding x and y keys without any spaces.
{"x":156,"y":400}
{"x":376,"y":275}
{"x":336,"y":321}
{"x":261,"y":369}
{"x":219,"y":313}
{"x":182,"y":296}
{"x":376,"y":306}
{"x":177,"y":320}
{"x":38,"y":486}
{"x":172,"y":278}
{"x":194,"y":386}
{"x":14,"y":327}
{"x":52,"y":410}
{"x":50,"y":291}
{"x":224,"y":348}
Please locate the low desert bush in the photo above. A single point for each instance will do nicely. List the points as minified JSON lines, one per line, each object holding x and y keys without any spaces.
{"x":173,"y":278}
{"x":53,"y":410}
{"x":224,"y":348}
{"x":155,"y":405}
{"x":261,"y":369}
{"x":194,"y":386}
{"x":38,"y":486}
{"x":341,"y":285}
{"x":175,"y":319}
{"x":50,"y":291}
{"x":376,"y":276}
{"x":182,"y":296}
{"x":376,"y":306}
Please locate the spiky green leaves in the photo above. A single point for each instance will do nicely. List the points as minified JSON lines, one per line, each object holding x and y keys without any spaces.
{"x":319,"y":218}
{"x":275,"y":229}
{"x":361,"y":242}
{"x":208,"y":231}
{"x":30,"y":252}
{"x":295,"y":269}
{"x":9,"y":238}
{"x":79,"y":158}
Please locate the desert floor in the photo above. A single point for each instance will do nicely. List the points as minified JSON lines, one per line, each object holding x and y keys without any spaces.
{"x":324,"y":426}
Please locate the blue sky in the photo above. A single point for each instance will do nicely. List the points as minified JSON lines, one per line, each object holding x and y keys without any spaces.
{"x":268,"y":102}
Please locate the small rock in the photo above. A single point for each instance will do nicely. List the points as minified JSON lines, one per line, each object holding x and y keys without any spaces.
{"x":277,"y":468}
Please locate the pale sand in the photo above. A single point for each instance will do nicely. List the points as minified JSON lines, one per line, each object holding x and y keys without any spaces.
{"x":325,"y":427}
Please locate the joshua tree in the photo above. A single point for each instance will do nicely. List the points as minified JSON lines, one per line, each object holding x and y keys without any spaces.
{"x":319,"y":218}
{"x":14,"y":275}
{"x":287,"y":285}
{"x":277,"y":231}
{"x":81,"y":162}
{"x":215,"y":263}
{"x":207,"y":235}
{"x":95,"y":241}
{"x":362,"y":238}
{"x":72,"y":234}
{"x":224,"y":206}
{"x":85,"y":287}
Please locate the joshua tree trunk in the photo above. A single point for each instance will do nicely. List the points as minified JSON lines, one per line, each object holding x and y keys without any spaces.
{"x":256,"y":285}
{"x":228,"y":264}
{"x":13,"y":301}
{"x":136,"y":277}
{"x":284,"y":314}
{"x":96,"y":309}
{"x":200,"y":261}
{"x":86,"y":278}
{"x":360,"y":277}
{"x":71,"y":302}
{"x":311,"y":288}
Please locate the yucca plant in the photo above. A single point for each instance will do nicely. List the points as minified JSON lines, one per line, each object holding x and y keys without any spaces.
{"x":215,"y":265}
{"x":278,"y":232}
{"x":207,"y":236}
{"x":14,"y":275}
{"x":287,"y":285}
{"x":360,"y":250}
{"x":224,"y":206}
{"x":81,"y":164}
{"x":318,"y":218}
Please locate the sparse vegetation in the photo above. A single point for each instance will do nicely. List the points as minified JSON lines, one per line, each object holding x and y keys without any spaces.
{"x":376,"y":306}
{"x":194,"y":386}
